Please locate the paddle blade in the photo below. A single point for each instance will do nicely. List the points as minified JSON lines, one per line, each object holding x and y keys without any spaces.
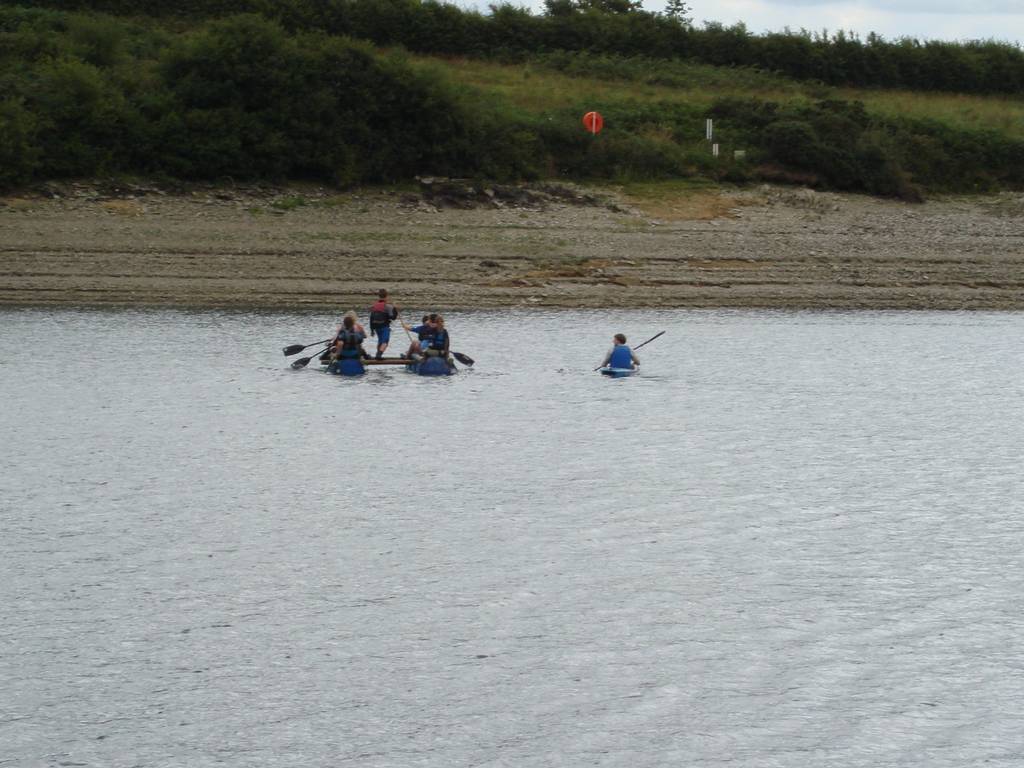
{"x":294,"y":349}
{"x":464,"y":359}
{"x":302,"y":362}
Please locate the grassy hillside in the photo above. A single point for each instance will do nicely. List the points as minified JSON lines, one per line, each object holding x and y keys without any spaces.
{"x":549,"y":82}
{"x":244,"y":97}
{"x":937,"y":141}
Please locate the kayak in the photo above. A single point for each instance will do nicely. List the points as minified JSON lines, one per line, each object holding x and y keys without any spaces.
{"x":617,"y":373}
{"x":431,"y":366}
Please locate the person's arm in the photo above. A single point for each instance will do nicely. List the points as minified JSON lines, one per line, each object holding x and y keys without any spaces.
{"x":636,"y":360}
{"x":607,"y":358}
{"x":447,"y":342}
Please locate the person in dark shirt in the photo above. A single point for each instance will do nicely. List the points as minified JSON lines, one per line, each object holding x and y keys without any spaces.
{"x":381,"y":314}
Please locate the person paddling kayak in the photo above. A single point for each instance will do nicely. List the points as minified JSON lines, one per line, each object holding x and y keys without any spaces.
{"x":381,"y":315}
{"x":620,"y":356}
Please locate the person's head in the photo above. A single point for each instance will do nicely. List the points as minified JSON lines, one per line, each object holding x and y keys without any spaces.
{"x":620,"y":338}
{"x":432,"y":317}
{"x":352,"y":313}
{"x":439,"y":321}
{"x":349,"y":322}
{"x":382,"y":294}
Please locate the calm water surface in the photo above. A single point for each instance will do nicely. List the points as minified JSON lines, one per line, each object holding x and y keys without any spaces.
{"x":795,"y":540}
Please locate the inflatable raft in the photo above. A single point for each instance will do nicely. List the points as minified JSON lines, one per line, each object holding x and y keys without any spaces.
{"x":353,"y":366}
{"x":431,"y":366}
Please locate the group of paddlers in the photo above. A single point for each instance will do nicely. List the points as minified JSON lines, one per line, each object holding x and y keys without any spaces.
{"x":432,"y":339}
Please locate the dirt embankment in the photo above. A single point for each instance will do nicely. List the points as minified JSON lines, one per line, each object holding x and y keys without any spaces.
{"x":452,"y":246}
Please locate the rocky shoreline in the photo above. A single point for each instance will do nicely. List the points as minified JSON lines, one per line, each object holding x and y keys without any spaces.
{"x":456,"y":245}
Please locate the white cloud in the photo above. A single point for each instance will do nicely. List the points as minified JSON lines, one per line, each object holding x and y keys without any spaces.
{"x":922,"y":19}
{"x":978,"y":7}
{"x":900,"y":18}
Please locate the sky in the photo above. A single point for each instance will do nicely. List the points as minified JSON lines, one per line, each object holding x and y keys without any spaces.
{"x":924,"y":19}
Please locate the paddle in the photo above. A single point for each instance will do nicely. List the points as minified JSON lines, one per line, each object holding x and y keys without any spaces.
{"x":294,"y":349}
{"x":404,"y":328}
{"x":302,"y":362}
{"x":638,"y":346}
{"x":649,"y":340}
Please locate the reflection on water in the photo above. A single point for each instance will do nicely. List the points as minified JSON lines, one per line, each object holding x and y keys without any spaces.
{"x":792,"y":540}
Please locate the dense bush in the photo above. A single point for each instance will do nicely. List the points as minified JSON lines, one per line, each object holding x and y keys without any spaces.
{"x":237,"y":98}
{"x":844,"y":147}
{"x":19,"y":151}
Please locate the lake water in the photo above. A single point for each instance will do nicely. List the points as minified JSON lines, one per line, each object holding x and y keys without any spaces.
{"x":796,"y":539}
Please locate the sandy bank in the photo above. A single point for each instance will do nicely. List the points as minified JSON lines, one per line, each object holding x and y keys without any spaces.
{"x":305,"y":247}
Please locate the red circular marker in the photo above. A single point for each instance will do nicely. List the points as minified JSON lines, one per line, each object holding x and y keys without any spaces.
{"x":593,"y":122}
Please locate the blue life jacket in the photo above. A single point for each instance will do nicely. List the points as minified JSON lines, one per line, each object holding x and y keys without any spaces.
{"x":351,"y":342}
{"x":424,"y":331}
{"x":438,"y":340}
{"x":622,"y":357}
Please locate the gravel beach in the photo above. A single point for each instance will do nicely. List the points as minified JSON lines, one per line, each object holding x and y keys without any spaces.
{"x":456,"y":246}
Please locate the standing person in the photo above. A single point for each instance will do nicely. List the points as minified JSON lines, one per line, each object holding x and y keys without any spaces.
{"x":620,"y":356}
{"x":381,"y":315}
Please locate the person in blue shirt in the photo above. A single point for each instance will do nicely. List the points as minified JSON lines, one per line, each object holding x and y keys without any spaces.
{"x":620,"y":356}
{"x":438,"y":344}
{"x":424,"y":332}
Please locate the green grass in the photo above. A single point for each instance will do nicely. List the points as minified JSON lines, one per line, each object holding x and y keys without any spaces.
{"x":290,"y":203}
{"x":1000,"y":114}
{"x":657,"y":189}
{"x":537,"y":87}
{"x":538,"y":90}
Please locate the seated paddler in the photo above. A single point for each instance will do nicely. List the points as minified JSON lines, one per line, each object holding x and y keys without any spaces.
{"x":620,"y":355}
{"x":349,"y":341}
{"x":424,"y":332}
{"x":438,"y":344}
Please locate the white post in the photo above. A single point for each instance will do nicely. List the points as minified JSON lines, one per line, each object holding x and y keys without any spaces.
{"x":709,"y":129}
{"x":714,"y":150}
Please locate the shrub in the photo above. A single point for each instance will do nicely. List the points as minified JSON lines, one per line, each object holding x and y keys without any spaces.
{"x":19,"y":153}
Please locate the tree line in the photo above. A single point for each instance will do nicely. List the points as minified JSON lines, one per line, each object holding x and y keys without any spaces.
{"x":619,"y":27}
